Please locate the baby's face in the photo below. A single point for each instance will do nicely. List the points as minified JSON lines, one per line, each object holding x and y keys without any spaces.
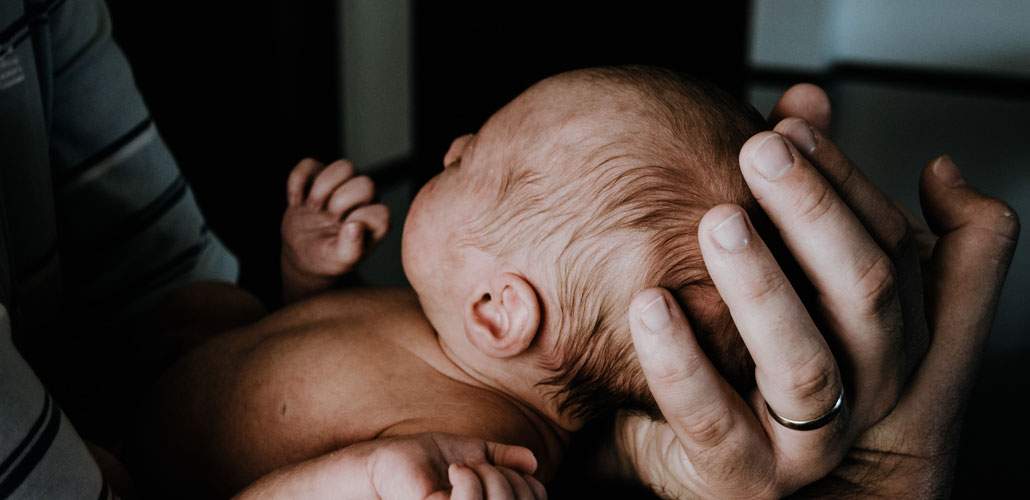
{"x":437,"y":262}
{"x":440,"y":260}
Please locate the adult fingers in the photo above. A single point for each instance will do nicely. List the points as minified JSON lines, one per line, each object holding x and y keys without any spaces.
{"x":877,"y":212}
{"x":714,"y":426}
{"x":854,"y":278}
{"x":354,"y":192}
{"x":375,"y":217}
{"x":795,"y":370}
{"x":298,"y":180}
{"x":922,"y":236}
{"x":327,"y":181}
{"x":465,"y":484}
{"x":806,"y":101}
{"x":881,"y":218}
{"x":512,"y":457}
{"x":978,"y":237}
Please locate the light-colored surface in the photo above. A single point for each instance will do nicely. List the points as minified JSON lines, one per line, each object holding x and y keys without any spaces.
{"x":969,"y":35}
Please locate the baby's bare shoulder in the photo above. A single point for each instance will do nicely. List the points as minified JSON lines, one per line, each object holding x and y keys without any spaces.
{"x":456,"y":408}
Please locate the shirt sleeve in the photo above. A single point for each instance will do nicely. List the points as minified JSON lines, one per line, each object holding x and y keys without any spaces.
{"x":128,"y":224}
{"x":41,"y":455}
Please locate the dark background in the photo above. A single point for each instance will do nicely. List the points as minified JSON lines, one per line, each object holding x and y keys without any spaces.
{"x":242,"y":93}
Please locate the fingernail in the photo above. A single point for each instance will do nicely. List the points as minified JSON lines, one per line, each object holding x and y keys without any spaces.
{"x":773,"y":159}
{"x":353,"y":229}
{"x":947,"y":172}
{"x":732,"y":234}
{"x":802,"y":136}
{"x":655,"y":315}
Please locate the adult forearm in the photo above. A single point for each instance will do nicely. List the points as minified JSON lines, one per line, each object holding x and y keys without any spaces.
{"x":318,"y":478}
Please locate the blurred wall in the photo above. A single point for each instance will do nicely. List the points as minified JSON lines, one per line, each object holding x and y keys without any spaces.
{"x":981,"y":35}
{"x":910,"y":81}
{"x":376,"y":108}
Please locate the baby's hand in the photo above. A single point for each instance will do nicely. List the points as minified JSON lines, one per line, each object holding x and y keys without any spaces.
{"x":431,"y":466}
{"x":437,"y":466}
{"x":330,"y":223}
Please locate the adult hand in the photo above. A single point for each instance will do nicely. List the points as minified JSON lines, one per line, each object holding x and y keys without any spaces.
{"x":430,"y":466}
{"x":898,"y":432}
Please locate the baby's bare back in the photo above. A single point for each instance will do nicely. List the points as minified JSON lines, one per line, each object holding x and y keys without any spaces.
{"x":315,"y":377}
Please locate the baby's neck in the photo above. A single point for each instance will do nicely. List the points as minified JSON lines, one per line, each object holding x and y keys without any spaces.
{"x":534,"y":405}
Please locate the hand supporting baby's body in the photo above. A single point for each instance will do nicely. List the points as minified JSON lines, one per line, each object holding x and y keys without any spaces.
{"x":347,"y":393}
{"x":430,"y":466}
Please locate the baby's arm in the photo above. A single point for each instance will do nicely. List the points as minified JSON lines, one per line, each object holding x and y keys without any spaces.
{"x":330,"y":223}
{"x":428,"y":466}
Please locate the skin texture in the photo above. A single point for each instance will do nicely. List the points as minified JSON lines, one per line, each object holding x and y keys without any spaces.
{"x":899,"y":433}
{"x":429,"y":466}
{"x":712,"y":446}
{"x":330,"y":220}
{"x":317,"y":394}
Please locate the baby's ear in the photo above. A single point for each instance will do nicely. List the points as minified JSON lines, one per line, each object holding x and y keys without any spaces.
{"x":457,"y":148}
{"x":503,"y":317}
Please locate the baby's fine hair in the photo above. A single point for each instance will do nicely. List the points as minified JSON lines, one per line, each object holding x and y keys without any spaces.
{"x":619,"y":204}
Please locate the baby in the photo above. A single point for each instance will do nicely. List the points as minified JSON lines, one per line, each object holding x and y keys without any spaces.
{"x":522,"y":256}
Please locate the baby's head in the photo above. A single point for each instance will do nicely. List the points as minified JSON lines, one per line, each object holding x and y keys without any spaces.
{"x":527,"y":249}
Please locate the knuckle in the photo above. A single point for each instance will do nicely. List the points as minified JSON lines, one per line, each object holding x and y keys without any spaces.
{"x":876,"y":285}
{"x":676,"y":374}
{"x":765,"y":286}
{"x":814,"y":204}
{"x":814,"y":379}
{"x":1001,"y":219}
{"x":708,"y":428}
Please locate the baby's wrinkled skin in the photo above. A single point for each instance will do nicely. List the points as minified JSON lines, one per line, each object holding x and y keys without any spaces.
{"x":458,"y":353}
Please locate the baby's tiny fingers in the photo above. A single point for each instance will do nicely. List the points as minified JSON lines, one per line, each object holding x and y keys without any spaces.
{"x":327,"y":181}
{"x":538,"y":488}
{"x":298,"y":180}
{"x":495,"y":484}
{"x":518,"y":483}
{"x":465,"y":484}
{"x":374,"y":217}
{"x":353,"y":193}
{"x":350,"y":244}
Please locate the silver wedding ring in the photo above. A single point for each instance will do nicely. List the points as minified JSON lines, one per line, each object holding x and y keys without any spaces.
{"x":808,"y":425}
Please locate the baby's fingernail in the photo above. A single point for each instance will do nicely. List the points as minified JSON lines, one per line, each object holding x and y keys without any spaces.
{"x":773,"y":159}
{"x":947,"y":172}
{"x":353,"y":229}
{"x":732,"y":233}
{"x":655,"y":314}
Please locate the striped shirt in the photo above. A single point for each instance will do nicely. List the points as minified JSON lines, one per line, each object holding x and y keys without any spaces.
{"x":93,"y":212}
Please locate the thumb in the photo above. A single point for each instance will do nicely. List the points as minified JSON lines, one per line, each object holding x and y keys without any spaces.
{"x":967,"y":270}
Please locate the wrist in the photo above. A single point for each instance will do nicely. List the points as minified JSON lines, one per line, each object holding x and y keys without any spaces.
{"x":318,"y":478}
{"x":298,"y":284}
